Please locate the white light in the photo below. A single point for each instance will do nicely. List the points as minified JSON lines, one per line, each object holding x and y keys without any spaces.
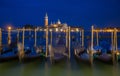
{"x":77,"y":29}
{"x":40,"y":29}
{"x":72,"y":30}
{"x":44,"y":29}
{"x":56,"y":29}
{"x":61,"y":30}
{"x":50,"y":30}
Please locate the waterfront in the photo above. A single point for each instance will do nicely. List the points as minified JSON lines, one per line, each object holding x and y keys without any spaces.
{"x":45,"y":68}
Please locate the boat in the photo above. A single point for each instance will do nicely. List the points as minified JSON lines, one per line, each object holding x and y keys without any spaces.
{"x":103,"y":51}
{"x":8,"y":57}
{"x":58,"y":53}
{"x":103,"y":56}
{"x":80,"y":52}
{"x":34,"y":54}
{"x":30,"y":54}
{"x":81,"y":55}
{"x":9,"y":53}
{"x":59,"y":47}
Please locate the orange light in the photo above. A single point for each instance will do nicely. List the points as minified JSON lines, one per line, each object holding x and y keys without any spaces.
{"x":118,"y":53}
{"x":9,"y":28}
{"x":109,"y":30}
{"x":54,"y":25}
{"x":77,"y":29}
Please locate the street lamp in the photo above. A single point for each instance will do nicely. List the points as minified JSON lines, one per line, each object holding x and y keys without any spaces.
{"x":9,"y":27}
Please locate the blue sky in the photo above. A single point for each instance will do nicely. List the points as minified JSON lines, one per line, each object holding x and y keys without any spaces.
{"x":74,"y":12}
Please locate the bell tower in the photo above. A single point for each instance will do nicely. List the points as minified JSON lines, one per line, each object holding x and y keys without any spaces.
{"x":46,"y":20}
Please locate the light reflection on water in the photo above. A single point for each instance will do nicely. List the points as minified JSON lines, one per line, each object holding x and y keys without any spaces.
{"x":67,"y":68}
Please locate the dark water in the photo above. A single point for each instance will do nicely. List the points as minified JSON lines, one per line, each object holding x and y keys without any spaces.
{"x":43,"y":68}
{"x":64,"y":68}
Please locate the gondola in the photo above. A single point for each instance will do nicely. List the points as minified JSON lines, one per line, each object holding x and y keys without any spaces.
{"x":9,"y":53}
{"x":31,"y":54}
{"x":105,"y":57}
{"x":59,"y":48}
{"x":8,"y":56}
{"x":34,"y":54}
{"x":81,"y":55}
{"x":58,"y":53}
{"x":104,"y":51}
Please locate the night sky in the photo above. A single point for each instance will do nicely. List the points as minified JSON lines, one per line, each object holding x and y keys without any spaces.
{"x":73,"y":12}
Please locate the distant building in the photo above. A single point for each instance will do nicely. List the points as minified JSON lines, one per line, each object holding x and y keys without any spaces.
{"x":57,"y":24}
{"x":46,"y":20}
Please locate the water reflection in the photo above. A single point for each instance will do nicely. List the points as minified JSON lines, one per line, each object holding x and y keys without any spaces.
{"x":46,"y":69}
{"x":67,"y":68}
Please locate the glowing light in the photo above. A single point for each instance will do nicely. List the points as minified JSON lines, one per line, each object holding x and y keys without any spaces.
{"x":118,"y":53}
{"x":56,"y":29}
{"x":61,"y":30}
{"x":72,"y":30}
{"x":44,"y":29}
{"x":50,"y":29}
{"x":9,"y":28}
{"x":54,"y":25}
{"x":64,"y":30}
{"x":109,"y":30}
{"x":77,"y":29}
{"x":40,"y":29}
